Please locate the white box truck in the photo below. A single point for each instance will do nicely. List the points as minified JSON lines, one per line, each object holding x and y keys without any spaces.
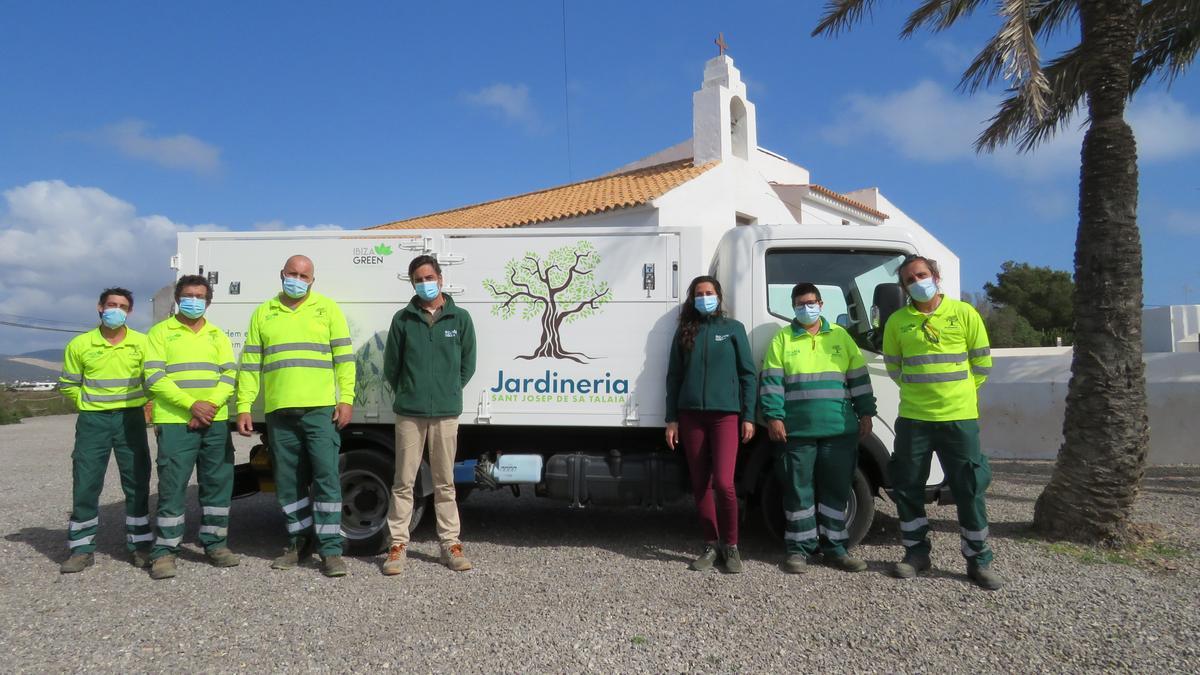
{"x":573,"y":328}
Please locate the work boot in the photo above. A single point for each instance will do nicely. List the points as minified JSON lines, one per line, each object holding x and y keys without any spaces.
{"x":912,"y":565}
{"x":983,"y":576}
{"x":140,"y":557}
{"x":163,"y":568}
{"x":452,"y":557}
{"x":292,"y":556}
{"x":795,"y":563}
{"x":395,"y":560}
{"x":77,"y":563}
{"x":733,"y":560}
{"x":845,"y":563}
{"x":222,"y":557}
{"x":333,"y":566}
{"x":706,"y":560}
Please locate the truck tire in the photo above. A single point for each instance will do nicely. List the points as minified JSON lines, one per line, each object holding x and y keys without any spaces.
{"x":860,"y":508}
{"x":366,"y":477}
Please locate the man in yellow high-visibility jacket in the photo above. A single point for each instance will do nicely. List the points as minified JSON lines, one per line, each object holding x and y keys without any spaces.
{"x":936,"y":348}
{"x":102,"y":375}
{"x":298,"y":349}
{"x":190,"y":372}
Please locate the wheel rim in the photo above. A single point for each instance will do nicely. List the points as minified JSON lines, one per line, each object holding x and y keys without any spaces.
{"x":365,"y":501}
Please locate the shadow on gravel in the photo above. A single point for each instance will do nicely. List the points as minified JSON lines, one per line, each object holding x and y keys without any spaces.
{"x":1177,"y":480}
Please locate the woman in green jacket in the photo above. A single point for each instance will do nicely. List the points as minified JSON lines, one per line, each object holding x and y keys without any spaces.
{"x":710,"y":387}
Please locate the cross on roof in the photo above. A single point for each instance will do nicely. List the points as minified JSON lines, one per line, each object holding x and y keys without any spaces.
{"x":720,"y":42}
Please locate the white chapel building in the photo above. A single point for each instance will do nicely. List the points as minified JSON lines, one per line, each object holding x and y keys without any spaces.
{"x":718,"y":179}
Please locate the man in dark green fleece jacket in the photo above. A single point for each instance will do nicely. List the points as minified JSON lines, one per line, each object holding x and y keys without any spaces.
{"x":430,"y":341}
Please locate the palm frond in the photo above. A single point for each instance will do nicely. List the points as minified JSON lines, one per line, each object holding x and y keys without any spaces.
{"x":840,"y":15}
{"x":1168,"y":39}
{"x":1048,"y":16}
{"x":1016,"y":120}
{"x":1019,"y":53}
{"x":938,"y":15}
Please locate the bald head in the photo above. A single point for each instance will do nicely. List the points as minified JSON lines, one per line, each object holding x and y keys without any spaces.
{"x":299,"y":267}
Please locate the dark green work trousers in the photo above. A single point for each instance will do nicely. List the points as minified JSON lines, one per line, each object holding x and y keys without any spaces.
{"x":815,"y":475}
{"x":210,"y":451}
{"x":98,"y":433}
{"x":304,"y":447}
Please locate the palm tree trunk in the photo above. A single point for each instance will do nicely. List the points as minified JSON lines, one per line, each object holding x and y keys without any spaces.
{"x":1106,"y":435}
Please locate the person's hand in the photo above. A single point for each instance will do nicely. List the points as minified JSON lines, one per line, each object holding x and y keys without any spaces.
{"x":864,"y":427}
{"x":245,"y":425}
{"x":672,"y":434}
{"x":342,"y":415}
{"x":776,"y":431}
{"x":194,"y":424}
{"x":204,"y":411}
{"x":747,"y":432}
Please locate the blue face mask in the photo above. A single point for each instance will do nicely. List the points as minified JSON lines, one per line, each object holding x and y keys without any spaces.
{"x":427,"y":290}
{"x":923,"y":290}
{"x":113,"y":317}
{"x":192,"y":308}
{"x":808,"y":314}
{"x":295,"y":288}
{"x":706,"y":304}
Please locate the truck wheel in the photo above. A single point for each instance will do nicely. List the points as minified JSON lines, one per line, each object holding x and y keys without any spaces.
{"x":366,"y":494}
{"x":860,"y":508}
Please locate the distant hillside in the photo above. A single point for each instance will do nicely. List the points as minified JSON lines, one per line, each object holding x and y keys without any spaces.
{"x":46,"y":354}
{"x":11,"y":370}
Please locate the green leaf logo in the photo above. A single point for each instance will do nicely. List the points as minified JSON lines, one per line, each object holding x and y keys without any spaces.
{"x":383,"y":249}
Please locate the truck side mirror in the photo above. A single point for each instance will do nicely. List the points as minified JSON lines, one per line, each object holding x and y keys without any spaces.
{"x":888,"y":298}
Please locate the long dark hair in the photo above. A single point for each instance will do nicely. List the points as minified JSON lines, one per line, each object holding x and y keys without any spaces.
{"x":690,"y":317}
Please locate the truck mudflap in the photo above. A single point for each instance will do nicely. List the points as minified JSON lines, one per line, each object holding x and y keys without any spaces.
{"x":612,"y":479}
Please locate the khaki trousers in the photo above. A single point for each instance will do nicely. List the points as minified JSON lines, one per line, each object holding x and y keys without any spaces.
{"x":411,"y":436}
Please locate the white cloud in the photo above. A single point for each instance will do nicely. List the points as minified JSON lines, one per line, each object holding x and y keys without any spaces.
{"x":510,"y":100}
{"x":1164,"y":128}
{"x":277,"y":224}
{"x":181,"y":151}
{"x":953,"y":57}
{"x":1183,"y":222}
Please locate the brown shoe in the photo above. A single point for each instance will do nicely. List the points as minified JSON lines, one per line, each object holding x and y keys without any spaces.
{"x":452,"y":557}
{"x":222,"y":557}
{"x":77,"y":563}
{"x":395,"y":560}
{"x":163,"y":568}
{"x":140,"y":558}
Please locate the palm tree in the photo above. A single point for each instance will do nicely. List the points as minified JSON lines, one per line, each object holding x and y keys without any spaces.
{"x":1122,"y":45}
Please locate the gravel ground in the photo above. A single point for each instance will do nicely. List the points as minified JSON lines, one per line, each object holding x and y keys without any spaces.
{"x":594,"y":590}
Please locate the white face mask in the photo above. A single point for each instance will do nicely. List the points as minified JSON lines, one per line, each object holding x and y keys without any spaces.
{"x":923,"y":290}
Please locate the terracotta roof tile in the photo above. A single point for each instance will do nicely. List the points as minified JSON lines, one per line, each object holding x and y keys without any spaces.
{"x":606,"y":193}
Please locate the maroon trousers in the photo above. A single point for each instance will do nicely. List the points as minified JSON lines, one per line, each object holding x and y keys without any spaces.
{"x":710,"y":441}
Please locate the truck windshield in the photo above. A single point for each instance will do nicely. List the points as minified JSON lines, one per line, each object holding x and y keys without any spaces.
{"x":846,"y":278}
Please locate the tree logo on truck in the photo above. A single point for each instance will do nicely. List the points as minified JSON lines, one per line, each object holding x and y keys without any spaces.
{"x":559,"y":288}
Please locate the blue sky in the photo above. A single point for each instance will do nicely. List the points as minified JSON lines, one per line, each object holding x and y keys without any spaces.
{"x":126,"y":121}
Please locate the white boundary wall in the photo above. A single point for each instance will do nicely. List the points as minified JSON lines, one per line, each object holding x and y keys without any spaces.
{"x":1023,"y":402}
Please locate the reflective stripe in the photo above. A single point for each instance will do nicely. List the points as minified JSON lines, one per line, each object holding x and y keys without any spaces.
{"x":298,"y":346}
{"x":343,"y":358}
{"x":909,"y":543}
{"x":137,"y":520}
{"x":930,"y":378}
{"x":915,"y":524}
{"x":830,"y":512}
{"x":170,"y":521}
{"x":71,"y":377}
{"x":891,"y":359}
{"x":800,"y":515}
{"x":296,"y":505}
{"x":293,"y":528}
{"x":216,"y":510}
{"x":169,"y":543}
{"x":225,"y":379}
{"x":328,"y":529}
{"x":926,"y":359}
{"x":193,"y":365}
{"x":975,"y":535}
{"x":81,"y":542}
{"x":252,"y":349}
{"x":297,"y":363}
{"x":801,"y":536}
{"x":340,"y":342}
{"x":154,"y":364}
{"x":107,"y":398}
{"x":139,"y":538}
{"x":214,"y":529}
{"x":109,"y":384}
{"x":856,"y":372}
{"x":982,"y":351}
{"x":815,"y":377}
{"x":773,"y":372}
{"x":255,"y":366}
{"x":75,"y":527}
{"x":773,"y":389}
{"x":195,"y":384}
{"x":834,"y":535}
{"x":327,"y":507}
{"x":155,"y":378}
{"x":981,"y":370}
{"x":968,"y":551}
{"x":860,"y":390}
{"x":808,"y":394}
{"x":228,"y":366}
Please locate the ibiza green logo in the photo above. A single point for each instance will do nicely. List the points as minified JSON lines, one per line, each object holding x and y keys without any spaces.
{"x":383,"y":249}
{"x":557,"y":288}
{"x":370,"y":255}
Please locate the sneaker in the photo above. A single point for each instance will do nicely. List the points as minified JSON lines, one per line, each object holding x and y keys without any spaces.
{"x":845,"y":563}
{"x":140,"y":557}
{"x":222,"y":557}
{"x":77,"y":563}
{"x":795,"y":563}
{"x":706,"y":560}
{"x":733,"y":560}
{"x":333,"y":566}
{"x":295,"y":553}
{"x":984,"y":577}
{"x":452,"y":557}
{"x":395,"y":560}
{"x":912,"y":565}
{"x":163,"y":568}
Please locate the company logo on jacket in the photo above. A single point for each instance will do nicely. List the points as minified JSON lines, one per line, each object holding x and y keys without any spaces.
{"x":452,"y":333}
{"x":722,"y":338}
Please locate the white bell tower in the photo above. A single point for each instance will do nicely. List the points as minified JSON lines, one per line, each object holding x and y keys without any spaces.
{"x":723,"y":124}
